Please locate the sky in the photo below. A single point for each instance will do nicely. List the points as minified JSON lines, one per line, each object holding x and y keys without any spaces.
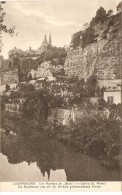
{"x":61,"y":18}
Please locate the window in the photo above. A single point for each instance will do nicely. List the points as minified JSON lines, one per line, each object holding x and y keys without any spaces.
{"x":110,"y":99}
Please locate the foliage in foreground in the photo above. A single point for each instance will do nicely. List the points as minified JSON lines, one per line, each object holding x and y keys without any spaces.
{"x":99,"y":137}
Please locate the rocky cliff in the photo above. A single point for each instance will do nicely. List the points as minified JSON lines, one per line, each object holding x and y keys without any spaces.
{"x":100,"y":57}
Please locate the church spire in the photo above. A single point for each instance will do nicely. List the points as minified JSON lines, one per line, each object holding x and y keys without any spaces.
{"x":50,"y":39}
{"x":45,"y":39}
{"x":44,"y":44}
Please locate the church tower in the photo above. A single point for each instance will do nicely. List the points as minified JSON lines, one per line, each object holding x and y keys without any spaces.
{"x":50,"y":40}
{"x":44,"y":44}
{"x":45,"y":39}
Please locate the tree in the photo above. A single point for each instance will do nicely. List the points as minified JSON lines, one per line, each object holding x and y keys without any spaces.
{"x":91,"y":85}
{"x":7,"y":87}
{"x":15,"y":95}
{"x":3,"y":27}
{"x":24,"y":88}
{"x":110,"y":13}
{"x":119,"y":7}
{"x":16,"y":62}
{"x":56,"y":101}
{"x":98,"y":91}
{"x":76,"y":39}
{"x":92,"y":23}
{"x":85,"y":26}
{"x":55,"y":53}
{"x":77,"y":86}
{"x":100,"y":15}
{"x":41,"y":58}
{"x":30,"y":76}
{"x":88,"y":37}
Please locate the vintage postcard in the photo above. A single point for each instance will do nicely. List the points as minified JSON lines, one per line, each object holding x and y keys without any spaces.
{"x":60,"y":95}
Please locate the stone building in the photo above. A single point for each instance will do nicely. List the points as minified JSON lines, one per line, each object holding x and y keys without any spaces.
{"x":18,"y":53}
{"x":28,"y":54}
{"x":14,"y":106}
{"x":113,"y":95}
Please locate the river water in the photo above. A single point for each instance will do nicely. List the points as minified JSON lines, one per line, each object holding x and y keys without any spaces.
{"x":43,"y":159}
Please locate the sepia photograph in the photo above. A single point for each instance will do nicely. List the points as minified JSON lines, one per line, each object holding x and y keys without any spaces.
{"x":60,"y":90}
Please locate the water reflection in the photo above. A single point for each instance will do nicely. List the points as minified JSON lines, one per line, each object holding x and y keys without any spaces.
{"x":42,"y":159}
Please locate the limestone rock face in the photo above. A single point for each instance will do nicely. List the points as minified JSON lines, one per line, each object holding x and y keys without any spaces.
{"x":102,"y":57}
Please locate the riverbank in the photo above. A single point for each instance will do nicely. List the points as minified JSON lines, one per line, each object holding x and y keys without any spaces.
{"x":43,"y":158}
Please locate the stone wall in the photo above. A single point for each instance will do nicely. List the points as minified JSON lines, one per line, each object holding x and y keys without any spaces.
{"x":102,"y":57}
{"x":67,"y":116}
{"x":13,"y":107}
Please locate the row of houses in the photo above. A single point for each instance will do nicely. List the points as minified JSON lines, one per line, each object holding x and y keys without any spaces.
{"x":111,"y":95}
